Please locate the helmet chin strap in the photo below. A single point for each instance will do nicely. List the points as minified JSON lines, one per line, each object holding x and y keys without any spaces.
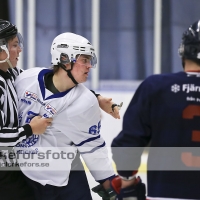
{"x":68,"y":73}
{"x":8,"y":56}
{"x":9,"y":63}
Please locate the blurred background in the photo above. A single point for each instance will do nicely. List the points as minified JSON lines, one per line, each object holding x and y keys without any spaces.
{"x":132,"y":38}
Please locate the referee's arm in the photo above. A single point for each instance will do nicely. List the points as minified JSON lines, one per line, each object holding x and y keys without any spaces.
{"x":10,"y":133}
{"x":9,"y":137}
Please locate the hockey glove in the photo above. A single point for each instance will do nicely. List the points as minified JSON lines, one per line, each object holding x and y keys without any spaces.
{"x":133,"y":192}
{"x":108,"y":194}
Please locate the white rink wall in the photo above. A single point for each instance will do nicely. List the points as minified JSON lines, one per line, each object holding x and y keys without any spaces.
{"x":111,"y":127}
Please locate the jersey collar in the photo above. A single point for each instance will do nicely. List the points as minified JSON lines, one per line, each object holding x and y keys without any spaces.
{"x":42,"y":85}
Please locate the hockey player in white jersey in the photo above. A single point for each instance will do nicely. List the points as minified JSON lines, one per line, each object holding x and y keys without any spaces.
{"x":58,"y":93}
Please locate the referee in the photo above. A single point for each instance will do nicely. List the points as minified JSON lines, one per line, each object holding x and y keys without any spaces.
{"x":12,"y":184}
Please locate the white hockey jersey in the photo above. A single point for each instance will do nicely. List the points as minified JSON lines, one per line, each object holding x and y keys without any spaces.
{"x":76,"y":126}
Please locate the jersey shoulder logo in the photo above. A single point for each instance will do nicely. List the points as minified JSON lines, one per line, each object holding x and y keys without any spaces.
{"x":30,"y":95}
{"x":50,"y":109}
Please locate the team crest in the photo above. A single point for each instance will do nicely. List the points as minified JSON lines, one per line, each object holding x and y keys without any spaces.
{"x":29,"y":142}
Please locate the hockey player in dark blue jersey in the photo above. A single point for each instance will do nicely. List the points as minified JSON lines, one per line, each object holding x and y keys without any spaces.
{"x":164,"y":113}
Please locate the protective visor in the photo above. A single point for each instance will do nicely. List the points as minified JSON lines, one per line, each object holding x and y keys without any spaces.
{"x":21,"y":41}
{"x":91,"y":61}
{"x":94,"y":61}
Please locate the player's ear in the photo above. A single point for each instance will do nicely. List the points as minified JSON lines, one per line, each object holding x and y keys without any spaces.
{"x":64,"y":58}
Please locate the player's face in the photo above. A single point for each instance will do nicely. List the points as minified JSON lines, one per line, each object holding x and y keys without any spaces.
{"x":81,"y":68}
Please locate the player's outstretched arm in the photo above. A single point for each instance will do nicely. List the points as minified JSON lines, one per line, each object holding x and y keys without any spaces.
{"x":107,"y":105}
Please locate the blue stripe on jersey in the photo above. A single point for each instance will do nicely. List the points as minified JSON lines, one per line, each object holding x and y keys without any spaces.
{"x":88,"y":140}
{"x":42,"y":85}
{"x":94,"y":149}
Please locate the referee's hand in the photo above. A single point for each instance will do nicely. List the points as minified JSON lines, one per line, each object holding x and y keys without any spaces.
{"x":39,"y":124}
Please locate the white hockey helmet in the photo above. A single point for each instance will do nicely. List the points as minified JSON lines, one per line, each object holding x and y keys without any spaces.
{"x":69,"y":45}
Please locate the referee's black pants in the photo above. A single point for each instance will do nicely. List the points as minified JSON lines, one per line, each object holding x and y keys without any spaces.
{"x":13,"y":186}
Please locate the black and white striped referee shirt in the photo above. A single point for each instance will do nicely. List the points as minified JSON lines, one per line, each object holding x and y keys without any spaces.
{"x":10,"y":132}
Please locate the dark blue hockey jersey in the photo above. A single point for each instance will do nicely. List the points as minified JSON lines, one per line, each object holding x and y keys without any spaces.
{"x":164,"y":113}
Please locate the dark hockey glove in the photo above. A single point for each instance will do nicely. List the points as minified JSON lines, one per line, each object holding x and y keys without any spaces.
{"x":137,"y":190}
{"x":108,"y":194}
